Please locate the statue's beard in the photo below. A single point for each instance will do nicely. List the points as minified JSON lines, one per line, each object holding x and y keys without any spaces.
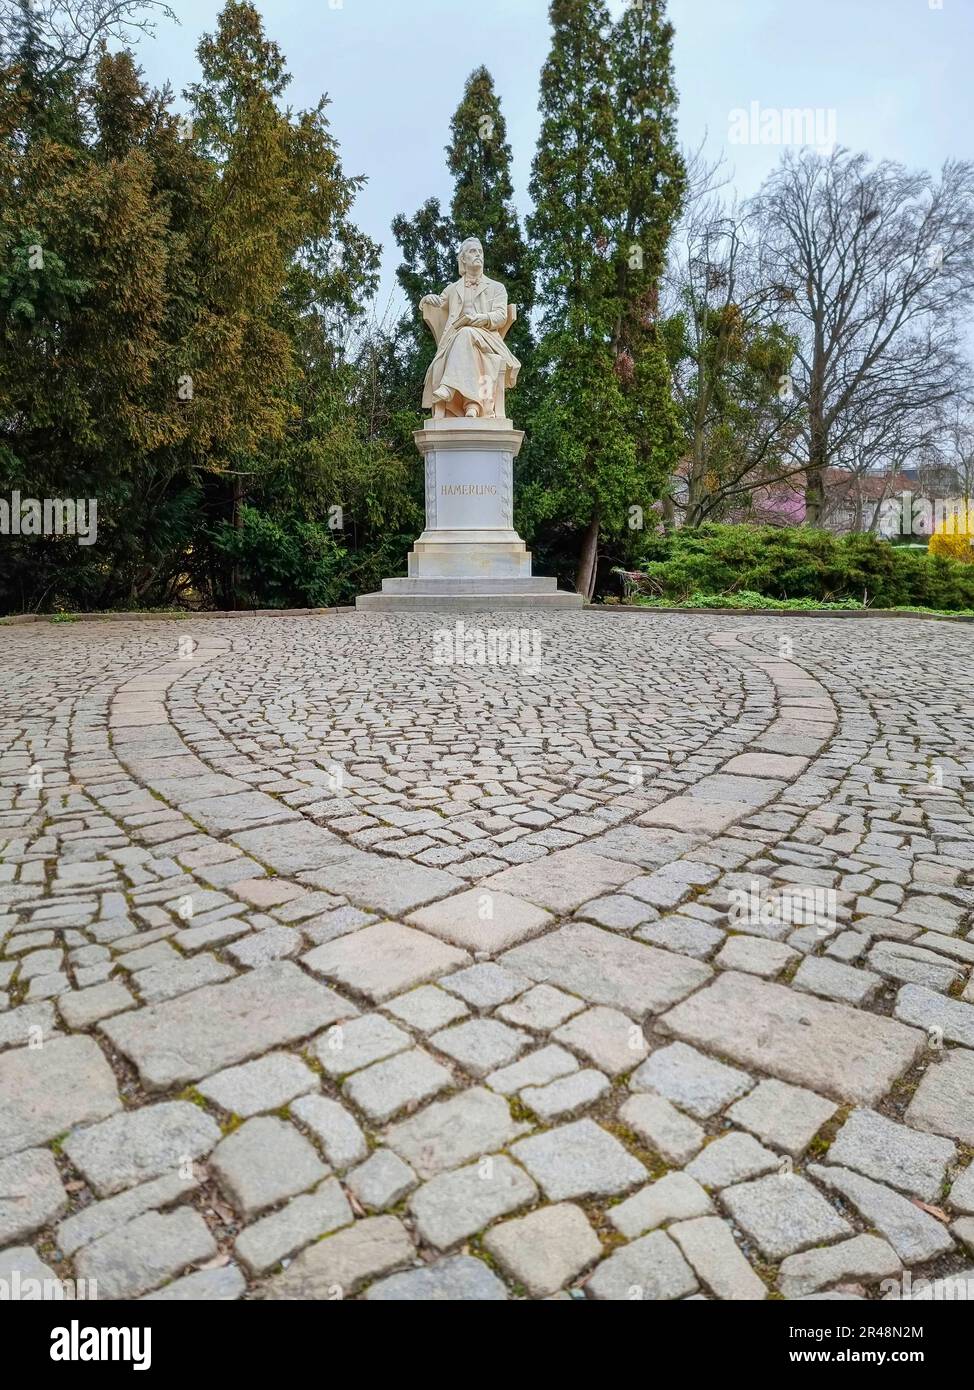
{"x":473,"y":277}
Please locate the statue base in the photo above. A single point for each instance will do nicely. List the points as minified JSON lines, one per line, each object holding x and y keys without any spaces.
{"x":469,"y":556}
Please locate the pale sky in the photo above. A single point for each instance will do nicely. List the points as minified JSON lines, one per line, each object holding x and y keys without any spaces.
{"x":897,"y":74}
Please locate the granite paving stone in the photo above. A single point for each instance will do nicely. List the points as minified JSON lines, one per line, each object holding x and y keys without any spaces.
{"x":787,"y":1117}
{"x":382,"y":1180}
{"x":47,"y":1090}
{"x":151,"y":1249}
{"x":224,"y":1285}
{"x":571,"y":877}
{"x":427,"y":1008}
{"x":139,"y":1145}
{"x":691,"y":1080}
{"x":732,"y":1158}
{"x":664,"y":1128}
{"x":334,"y":1127}
{"x":566,"y":1096}
{"x":847,"y":1053}
{"x":273,"y":1238}
{"x":329,"y":974}
{"x":347,"y":1047}
{"x":709,"y":1246}
{"x":336,"y":1268}
{"x":482,"y":1045}
{"x":31,"y":1194}
{"x":651,"y":1269}
{"x":943,"y":1103}
{"x":546,"y":1249}
{"x":536,"y":1069}
{"x":449,"y":1133}
{"x":456,"y":1279}
{"x":607,"y":969}
{"x":862,"y":1259}
{"x":579,"y":1160}
{"x":893,"y":1154}
{"x":913,"y":1233}
{"x":265,"y":1084}
{"x":924,"y":1008}
{"x":390,"y":886}
{"x":608,"y":1038}
{"x":673,"y":1197}
{"x":197,"y":1034}
{"x":263,"y":1162}
{"x":455,"y":1205}
{"x":541,"y":1008}
{"x":783,"y":1214}
{"x":482,"y":919}
{"x":406,"y":1080}
{"x":100,"y":1218}
{"x":384,"y":959}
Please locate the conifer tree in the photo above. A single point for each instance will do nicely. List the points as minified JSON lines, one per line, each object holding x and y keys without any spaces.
{"x":606,"y":182}
{"x":279,"y":206}
{"x":651,"y":178}
{"x":583,"y":459}
{"x":479,"y":159}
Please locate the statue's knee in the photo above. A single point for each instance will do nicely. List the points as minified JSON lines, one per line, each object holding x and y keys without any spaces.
{"x":467,"y":333}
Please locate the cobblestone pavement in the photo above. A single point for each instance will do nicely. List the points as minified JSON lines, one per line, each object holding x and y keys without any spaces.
{"x":330,"y":971}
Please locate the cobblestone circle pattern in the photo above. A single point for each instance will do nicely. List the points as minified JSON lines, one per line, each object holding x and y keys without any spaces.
{"x":641,"y":972}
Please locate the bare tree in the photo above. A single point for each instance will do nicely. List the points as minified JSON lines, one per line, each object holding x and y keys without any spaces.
{"x":945,"y":464}
{"x":874,"y":267}
{"x":740,"y":418}
{"x":65,"y":35}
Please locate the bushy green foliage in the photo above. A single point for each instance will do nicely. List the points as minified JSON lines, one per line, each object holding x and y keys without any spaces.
{"x":801,"y":563}
{"x":283,"y":562}
{"x":175,"y":301}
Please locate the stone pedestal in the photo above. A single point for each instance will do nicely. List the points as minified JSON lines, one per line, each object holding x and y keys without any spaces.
{"x":469,"y":556}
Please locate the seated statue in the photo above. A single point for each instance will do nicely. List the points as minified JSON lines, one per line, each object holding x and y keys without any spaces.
{"x":473,"y":365}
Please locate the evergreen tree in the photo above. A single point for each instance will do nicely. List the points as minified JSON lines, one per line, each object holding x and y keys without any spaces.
{"x":607,"y":182}
{"x":479,"y":159}
{"x":174,"y":305}
{"x":279,"y":212}
{"x":651,"y":178}
{"x":428,"y":244}
{"x":583,"y":461}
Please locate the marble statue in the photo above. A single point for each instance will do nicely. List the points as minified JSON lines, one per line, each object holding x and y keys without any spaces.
{"x":469,"y":555}
{"x":473,"y":366}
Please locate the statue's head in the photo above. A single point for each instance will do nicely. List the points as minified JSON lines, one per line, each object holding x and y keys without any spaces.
{"x":471,"y":256}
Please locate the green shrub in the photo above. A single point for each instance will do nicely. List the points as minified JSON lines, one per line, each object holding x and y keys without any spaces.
{"x":282,"y":562}
{"x":801,"y":563}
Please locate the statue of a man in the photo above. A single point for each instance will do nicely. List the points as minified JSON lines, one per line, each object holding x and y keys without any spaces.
{"x":473,"y":365}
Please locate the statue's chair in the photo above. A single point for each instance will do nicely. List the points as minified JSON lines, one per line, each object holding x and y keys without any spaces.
{"x":435,"y":320}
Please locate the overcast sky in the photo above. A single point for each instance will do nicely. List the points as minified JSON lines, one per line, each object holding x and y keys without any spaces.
{"x":896,"y":75}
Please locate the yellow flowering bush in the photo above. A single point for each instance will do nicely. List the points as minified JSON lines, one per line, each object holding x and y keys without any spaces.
{"x":954,"y":536}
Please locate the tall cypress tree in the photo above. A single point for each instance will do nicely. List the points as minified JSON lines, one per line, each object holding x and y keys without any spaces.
{"x":607,"y":183}
{"x":479,"y":158}
{"x":651,"y":177}
{"x":427,"y":242}
{"x":583,"y":458}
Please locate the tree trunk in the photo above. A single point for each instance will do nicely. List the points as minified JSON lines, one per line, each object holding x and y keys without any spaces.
{"x":815,"y":475}
{"x":587,"y":560}
{"x":238,"y":497}
{"x":818,"y":443}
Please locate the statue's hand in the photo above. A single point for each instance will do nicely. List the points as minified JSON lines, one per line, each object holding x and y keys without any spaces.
{"x":431,"y":301}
